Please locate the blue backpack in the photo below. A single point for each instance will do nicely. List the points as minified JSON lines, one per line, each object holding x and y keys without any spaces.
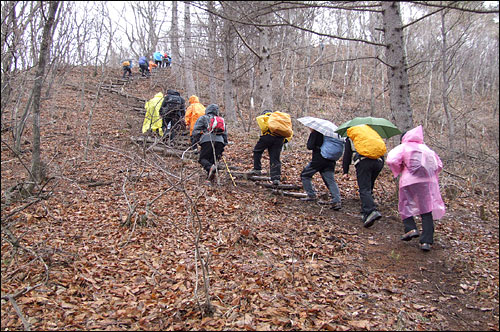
{"x":332,"y":148}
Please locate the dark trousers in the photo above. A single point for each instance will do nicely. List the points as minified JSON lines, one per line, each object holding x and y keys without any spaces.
{"x":427,"y":235}
{"x":327,"y":171}
{"x":367,"y":171}
{"x":273,"y":144}
{"x":144,"y":70}
{"x":207,"y":153}
{"x":125,"y":70}
{"x":174,"y":121}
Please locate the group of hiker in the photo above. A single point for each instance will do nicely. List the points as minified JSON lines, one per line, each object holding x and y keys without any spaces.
{"x":416,"y":165}
{"x":146,"y":65}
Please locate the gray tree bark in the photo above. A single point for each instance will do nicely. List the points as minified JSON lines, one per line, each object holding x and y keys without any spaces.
{"x":188,"y":45}
{"x":265,"y":69}
{"x":397,"y":74}
{"x":212,"y":40}
{"x":174,"y":37}
{"x":228,"y":72}
{"x":36,"y":168}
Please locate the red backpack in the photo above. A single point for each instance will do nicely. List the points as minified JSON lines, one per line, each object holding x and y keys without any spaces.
{"x":217,"y":125}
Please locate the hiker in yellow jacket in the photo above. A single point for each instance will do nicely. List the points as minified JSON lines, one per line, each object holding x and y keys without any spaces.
{"x":193,"y":112}
{"x":276,"y":130}
{"x":152,"y":120}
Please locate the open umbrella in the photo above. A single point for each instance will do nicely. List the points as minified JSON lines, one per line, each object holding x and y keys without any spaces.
{"x":325,"y":127}
{"x":383,"y":127}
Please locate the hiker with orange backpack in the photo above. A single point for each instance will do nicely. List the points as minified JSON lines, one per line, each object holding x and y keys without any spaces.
{"x":419,"y":193}
{"x":127,"y":68}
{"x":365,"y":149}
{"x":210,"y":133}
{"x":276,"y":130}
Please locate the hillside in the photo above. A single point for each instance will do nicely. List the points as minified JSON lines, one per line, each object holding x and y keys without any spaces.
{"x":275,"y":262}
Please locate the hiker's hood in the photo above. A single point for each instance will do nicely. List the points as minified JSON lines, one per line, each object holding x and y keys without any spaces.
{"x":193,"y":99}
{"x":159,"y":95}
{"x":414,"y":135}
{"x":212,"y":109}
{"x":173,"y":92}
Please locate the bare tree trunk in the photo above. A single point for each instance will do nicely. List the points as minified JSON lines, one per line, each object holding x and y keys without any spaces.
{"x":36,"y":167}
{"x":265,"y":82}
{"x":397,"y":71}
{"x":188,"y":45}
{"x":212,"y":30}
{"x":174,"y":36}
{"x":228,"y":72}
{"x":429,"y":98}
{"x":307,"y":86}
{"x":446,"y":85}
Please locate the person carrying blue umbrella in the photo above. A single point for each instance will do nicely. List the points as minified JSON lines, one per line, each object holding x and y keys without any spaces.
{"x":365,"y":149}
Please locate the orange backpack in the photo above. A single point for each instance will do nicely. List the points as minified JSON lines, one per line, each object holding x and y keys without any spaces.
{"x":367,"y":141}
{"x":280,"y":123}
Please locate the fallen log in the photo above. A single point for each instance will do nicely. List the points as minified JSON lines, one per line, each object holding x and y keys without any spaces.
{"x":288,"y":193}
{"x":249,"y":176}
{"x":282,"y":186}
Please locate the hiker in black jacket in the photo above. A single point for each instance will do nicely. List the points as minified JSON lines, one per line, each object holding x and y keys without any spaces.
{"x":172,"y":111}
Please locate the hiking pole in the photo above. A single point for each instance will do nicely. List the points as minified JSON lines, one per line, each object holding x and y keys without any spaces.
{"x":224,"y":159}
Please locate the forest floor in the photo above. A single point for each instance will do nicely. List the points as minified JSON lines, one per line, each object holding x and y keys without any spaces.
{"x":275,"y":262}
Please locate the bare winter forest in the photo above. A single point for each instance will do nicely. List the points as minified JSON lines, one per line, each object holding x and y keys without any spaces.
{"x":106,"y":228}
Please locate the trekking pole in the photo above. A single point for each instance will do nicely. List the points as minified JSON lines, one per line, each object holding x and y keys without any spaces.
{"x":227,"y":167}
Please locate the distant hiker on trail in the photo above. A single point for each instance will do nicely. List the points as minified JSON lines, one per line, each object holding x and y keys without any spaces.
{"x":368,"y":166}
{"x":158,"y":57}
{"x":143,"y":65}
{"x":211,"y":133}
{"x":127,"y":68}
{"x":193,"y":112}
{"x":152,"y":65}
{"x":419,"y":194}
{"x":165,"y":60}
{"x":276,"y":130}
{"x":322,"y":165}
{"x":172,"y":112}
{"x":153,"y":120}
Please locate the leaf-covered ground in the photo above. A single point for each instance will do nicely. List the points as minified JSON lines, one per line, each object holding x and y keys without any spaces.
{"x":275,"y":263}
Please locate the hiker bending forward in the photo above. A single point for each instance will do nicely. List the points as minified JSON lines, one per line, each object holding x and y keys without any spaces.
{"x":322,"y":165}
{"x":212,"y":144}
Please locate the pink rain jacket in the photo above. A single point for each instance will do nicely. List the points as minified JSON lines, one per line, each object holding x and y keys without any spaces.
{"x":419,"y":167}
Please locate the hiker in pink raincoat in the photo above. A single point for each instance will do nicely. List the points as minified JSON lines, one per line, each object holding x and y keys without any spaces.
{"x":419,"y":194}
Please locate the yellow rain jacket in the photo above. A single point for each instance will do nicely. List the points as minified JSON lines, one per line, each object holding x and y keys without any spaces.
{"x":193,"y":112}
{"x":152,"y":120}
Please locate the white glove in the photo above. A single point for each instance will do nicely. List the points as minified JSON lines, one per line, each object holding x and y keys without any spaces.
{"x":285,"y":146}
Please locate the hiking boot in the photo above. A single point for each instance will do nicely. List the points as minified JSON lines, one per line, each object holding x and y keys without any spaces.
{"x":211,"y":173}
{"x":336,"y":206}
{"x":375,"y":215}
{"x":425,"y":246}
{"x":410,"y":235}
{"x":309,"y":199}
{"x":255,"y":172}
